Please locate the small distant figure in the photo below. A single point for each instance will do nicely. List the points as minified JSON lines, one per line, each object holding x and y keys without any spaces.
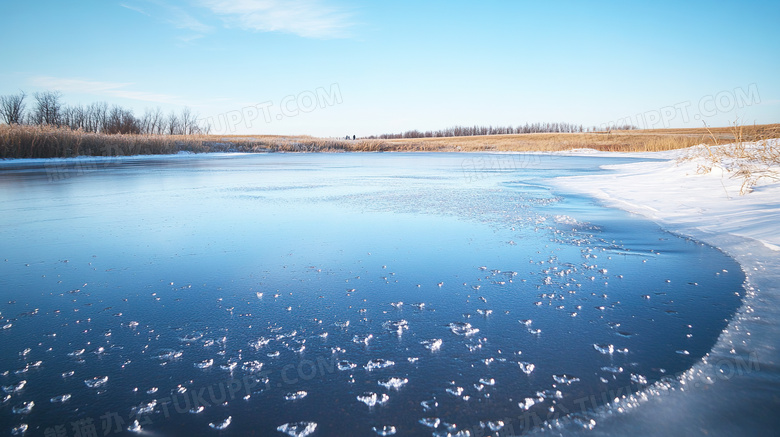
{"x":347,"y":137}
{"x":353,"y":137}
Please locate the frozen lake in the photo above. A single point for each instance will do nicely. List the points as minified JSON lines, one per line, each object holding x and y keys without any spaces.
{"x":344,"y":294}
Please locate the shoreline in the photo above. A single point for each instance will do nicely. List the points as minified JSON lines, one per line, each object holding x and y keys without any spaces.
{"x":26,"y":141}
{"x":739,"y":378}
{"x":187,"y":154}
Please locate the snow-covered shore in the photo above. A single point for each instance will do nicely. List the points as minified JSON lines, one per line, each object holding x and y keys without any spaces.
{"x":735,"y":390}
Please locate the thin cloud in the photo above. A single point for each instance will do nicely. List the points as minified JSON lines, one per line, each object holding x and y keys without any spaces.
{"x":306,"y":18}
{"x":183,"y":20}
{"x":173,"y":15}
{"x":109,"y":89}
{"x":134,"y":8}
{"x":189,"y":38}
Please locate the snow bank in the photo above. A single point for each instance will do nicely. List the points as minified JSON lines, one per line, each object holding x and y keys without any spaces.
{"x":734,"y":389}
{"x":681,"y":193}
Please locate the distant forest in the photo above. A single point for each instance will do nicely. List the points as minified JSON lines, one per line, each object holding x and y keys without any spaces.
{"x":528,"y":128}
{"x":47,"y":109}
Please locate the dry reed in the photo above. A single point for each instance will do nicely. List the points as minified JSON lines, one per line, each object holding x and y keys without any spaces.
{"x":19,"y":141}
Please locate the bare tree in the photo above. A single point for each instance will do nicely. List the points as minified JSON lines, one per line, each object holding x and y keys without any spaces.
{"x":48,"y":108}
{"x":206,"y":128}
{"x":158,"y":121}
{"x":146,"y":122}
{"x":78,"y":117}
{"x":122,"y":121}
{"x":75,"y":117}
{"x":173,"y":125}
{"x":98,"y":116}
{"x":152,"y":121}
{"x":187,"y":120}
{"x":12,"y":108}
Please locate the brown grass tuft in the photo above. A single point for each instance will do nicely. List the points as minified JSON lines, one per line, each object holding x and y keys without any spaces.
{"x":751,"y":153}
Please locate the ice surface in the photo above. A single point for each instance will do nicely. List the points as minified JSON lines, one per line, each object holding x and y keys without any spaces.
{"x":455,"y":391}
{"x":298,"y":429}
{"x":295,"y":396}
{"x":192,"y":337}
{"x":393,"y":383}
{"x":60,"y":398}
{"x":432,"y":345}
{"x":396,"y":326}
{"x":526,"y":367}
{"x":223,"y":301}
{"x":384,"y":430}
{"x":135,"y":427}
{"x":345,"y":365}
{"x":565,"y":379}
{"x":10,"y":389}
{"x":378,"y":363}
{"x":96,"y":382}
{"x":20,"y":429}
{"x":168,"y":354}
{"x":431,"y":422}
{"x":362,"y":339}
{"x":462,"y":328}
{"x":496,"y":425}
{"x":253,"y":366}
{"x":371,"y":399}
{"x":221,"y":425}
{"x":205,"y":364}
{"x":23,"y":408}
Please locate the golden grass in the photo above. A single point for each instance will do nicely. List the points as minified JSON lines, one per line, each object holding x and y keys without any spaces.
{"x":19,"y":141}
{"x":44,"y":142}
{"x":615,"y":141}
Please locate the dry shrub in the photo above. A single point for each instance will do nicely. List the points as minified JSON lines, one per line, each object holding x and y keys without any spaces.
{"x":751,"y":153}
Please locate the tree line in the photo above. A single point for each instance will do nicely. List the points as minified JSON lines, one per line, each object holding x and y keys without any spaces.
{"x":47,"y":108}
{"x":528,"y":128}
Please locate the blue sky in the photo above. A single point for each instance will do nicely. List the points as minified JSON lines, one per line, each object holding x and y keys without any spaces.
{"x":338,"y":67}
